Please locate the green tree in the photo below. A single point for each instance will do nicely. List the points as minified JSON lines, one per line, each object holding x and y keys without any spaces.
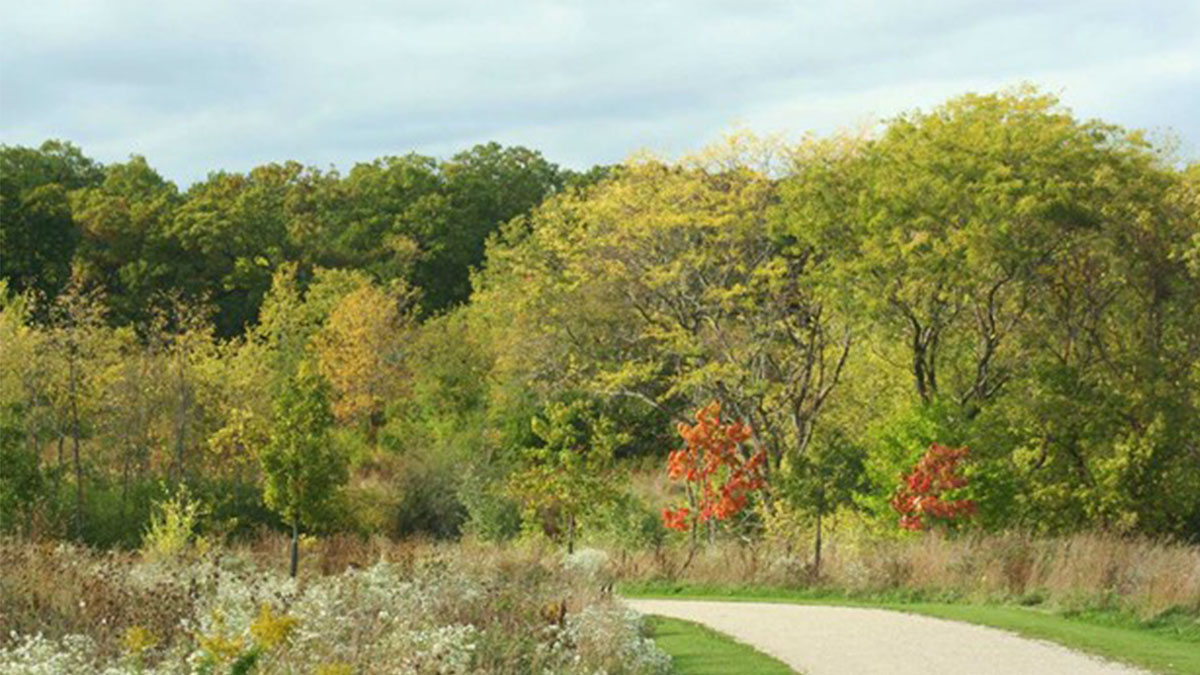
{"x":831,"y":476}
{"x":662,"y":286}
{"x":302,"y":471}
{"x":939,"y":227}
{"x":37,"y":233}
{"x":21,"y":481}
{"x":486,"y":186}
{"x":124,"y":248}
{"x":26,"y":412}
{"x":387,"y":216}
{"x":569,"y":473}
{"x":37,"y":236}
{"x":1018,"y":263}
{"x":235,"y":230}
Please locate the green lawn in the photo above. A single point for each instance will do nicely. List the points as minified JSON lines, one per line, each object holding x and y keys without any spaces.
{"x":697,"y":650}
{"x":1167,"y":647}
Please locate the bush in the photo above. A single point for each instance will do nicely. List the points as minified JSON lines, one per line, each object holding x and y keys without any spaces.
{"x":174,"y":525}
{"x":627,"y":523}
{"x":491,"y":514}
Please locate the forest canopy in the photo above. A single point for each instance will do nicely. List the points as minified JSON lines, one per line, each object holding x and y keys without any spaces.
{"x":494,"y":344}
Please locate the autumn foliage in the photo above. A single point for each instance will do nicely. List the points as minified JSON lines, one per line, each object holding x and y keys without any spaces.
{"x":717,"y":468}
{"x":922,"y":497}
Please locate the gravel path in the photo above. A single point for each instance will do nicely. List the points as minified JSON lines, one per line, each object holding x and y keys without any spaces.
{"x":821,"y":640}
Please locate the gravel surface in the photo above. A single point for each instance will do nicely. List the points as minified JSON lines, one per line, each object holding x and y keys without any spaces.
{"x":820,"y":640}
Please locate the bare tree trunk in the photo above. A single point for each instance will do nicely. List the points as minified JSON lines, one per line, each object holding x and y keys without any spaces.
{"x":694,"y":545}
{"x":125,"y":471}
{"x":77,"y":520}
{"x":571,"y":534}
{"x":295,"y":548}
{"x":181,"y":419}
{"x":816,"y":575}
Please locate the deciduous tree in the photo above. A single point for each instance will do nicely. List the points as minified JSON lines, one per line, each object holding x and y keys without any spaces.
{"x":302,"y":471}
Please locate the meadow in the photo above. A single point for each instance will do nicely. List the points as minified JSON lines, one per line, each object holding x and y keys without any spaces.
{"x":380,"y":608}
{"x":366,"y":605}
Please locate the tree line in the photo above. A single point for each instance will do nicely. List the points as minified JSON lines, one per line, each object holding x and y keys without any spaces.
{"x":491,"y":343}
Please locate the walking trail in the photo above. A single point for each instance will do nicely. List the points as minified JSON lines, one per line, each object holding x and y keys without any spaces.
{"x":820,"y":640}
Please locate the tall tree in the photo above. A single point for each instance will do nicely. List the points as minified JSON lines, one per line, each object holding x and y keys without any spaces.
{"x":80,"y":346}
{"x":124,"y":247}
{"x":37,"y":233}
{"x":663,"y":286}
{"x":235,"y":230}
{"x":487,"y":186}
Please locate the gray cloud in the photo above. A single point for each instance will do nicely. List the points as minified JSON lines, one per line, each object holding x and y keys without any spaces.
{"x":197,"y":86}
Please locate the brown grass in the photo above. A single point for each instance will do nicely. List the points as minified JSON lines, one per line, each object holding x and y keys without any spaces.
{"x":1083,"y":571}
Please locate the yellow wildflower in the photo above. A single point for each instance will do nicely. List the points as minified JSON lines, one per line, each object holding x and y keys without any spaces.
{"x":138,"y":639}
{"x":221,"y":648}
{"x":270,"y":629}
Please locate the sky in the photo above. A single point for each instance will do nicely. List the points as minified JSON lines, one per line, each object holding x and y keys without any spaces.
{"x":200,"y":85}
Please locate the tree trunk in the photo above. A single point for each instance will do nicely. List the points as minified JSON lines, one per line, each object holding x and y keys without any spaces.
{"x":181,"y":419}
{"x":692,"y":547}
{"x":571,"y":534}
{"x":816,"y":575}
{"x":295,"y":548}
{"x":77,"y":521}
{"x":125,"y":471}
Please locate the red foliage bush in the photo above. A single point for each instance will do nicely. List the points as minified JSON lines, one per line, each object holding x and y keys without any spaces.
{"x":718,"y":473}
{"x":921,"y":498}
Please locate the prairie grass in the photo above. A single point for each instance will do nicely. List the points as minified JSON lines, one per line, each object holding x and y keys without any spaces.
{"x":1088,"y":571}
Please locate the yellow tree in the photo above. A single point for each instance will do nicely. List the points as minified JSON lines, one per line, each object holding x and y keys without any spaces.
{"x":359,"y":351}
{"x":663,"y":285}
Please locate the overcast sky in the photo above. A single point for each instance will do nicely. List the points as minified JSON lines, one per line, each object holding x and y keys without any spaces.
{"x":196,"y":85}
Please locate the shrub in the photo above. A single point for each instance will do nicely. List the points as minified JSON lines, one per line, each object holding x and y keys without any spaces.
{"x":174,"y":526}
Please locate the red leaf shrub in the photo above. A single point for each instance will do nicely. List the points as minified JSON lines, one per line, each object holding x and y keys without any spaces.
{"x":921,"y":498}
{"x":716,"y":470}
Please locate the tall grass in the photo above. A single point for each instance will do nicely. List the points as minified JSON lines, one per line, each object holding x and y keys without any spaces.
{"x":1144,"y":577}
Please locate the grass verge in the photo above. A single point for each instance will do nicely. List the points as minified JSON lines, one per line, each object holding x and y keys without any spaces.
{"x":698,"y":650}
{"x":1169,"y":645}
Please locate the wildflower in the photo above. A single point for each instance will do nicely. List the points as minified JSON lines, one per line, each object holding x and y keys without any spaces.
{"x":269,"y":629}
{"x":221,"y":648}
{"x":138,"y":640}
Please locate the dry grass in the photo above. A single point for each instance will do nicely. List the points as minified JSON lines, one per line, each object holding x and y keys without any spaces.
{"x":1083,"y":571}
{"x":58,"y":589}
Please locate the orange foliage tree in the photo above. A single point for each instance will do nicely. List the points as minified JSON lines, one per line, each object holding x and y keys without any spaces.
{"x":718,"y":470}
{"x":922,"y":497}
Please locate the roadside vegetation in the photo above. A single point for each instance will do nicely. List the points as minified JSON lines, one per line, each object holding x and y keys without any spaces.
{"x":1127,"y":600}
